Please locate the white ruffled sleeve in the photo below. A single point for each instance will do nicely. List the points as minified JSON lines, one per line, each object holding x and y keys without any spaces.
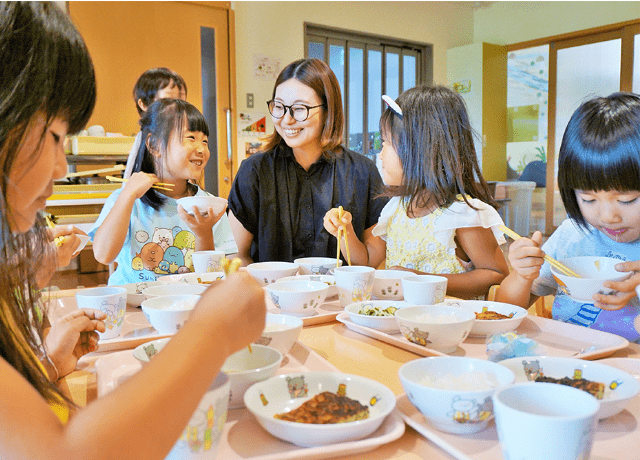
{"x":461,"y":215}
{"x":385,"y":216}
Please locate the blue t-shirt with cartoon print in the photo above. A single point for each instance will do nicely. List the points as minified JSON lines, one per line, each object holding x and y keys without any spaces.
{"x":570,"y":241}
{"x":159,"y":242}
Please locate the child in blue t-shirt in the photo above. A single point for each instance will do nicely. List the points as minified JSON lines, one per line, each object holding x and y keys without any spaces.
{"x":599,"y":181}
{"x":143,"y":228}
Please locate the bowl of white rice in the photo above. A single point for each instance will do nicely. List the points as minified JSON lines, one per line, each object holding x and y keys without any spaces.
{"x":168,"y":313}
{"x":438,"y":327}
{"x":454,"y":393}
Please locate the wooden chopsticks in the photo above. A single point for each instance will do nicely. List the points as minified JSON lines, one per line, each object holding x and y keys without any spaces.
{"x":60,"y":239}
{"x":158,"y":185}
{"x":342,"y":232}
{"x":96,"y":171}
{"x":562,"y":268}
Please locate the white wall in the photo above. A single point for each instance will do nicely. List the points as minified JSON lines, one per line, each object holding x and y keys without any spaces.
{"x":504,"y":23}
{"x":276,"y":30}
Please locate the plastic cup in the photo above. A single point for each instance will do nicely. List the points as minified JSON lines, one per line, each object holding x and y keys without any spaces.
{"x":545,"y":420}
{"x":424,"y":289}
{"x":354,"y":283}
{"x":207,"y":261}
{"x":110,"y":300}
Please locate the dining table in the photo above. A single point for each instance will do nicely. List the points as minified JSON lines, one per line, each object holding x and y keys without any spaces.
{"x":353,"y":353}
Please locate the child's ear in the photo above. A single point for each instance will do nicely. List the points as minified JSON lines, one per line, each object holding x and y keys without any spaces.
{"x":142,"y":105}
{"x":150,"y":147}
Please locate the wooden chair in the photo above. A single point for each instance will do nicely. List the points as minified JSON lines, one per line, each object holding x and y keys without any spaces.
{"x":541,"y":307}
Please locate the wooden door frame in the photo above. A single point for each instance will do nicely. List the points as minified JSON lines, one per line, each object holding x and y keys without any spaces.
{"x":622,"y":30}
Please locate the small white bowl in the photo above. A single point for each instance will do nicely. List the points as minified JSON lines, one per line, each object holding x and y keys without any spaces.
{"x":426,"y":326}
{"x":165,"y":316}
{"x":270,"y":272}
{"x":619,"y":386}
{"x":316,"y":265}
{"x":284,"y":393}
{"x":246,"y":367}
{"x":148,"y":350}
{"x":298,"y":298}
{"x":84,"y":239}
{"x":280,"y":332}
{"x":330,"y":281}
{"x":593,"y":272}
{"x":381,"y":323}
{"x":203,"y":203}
{"x":161,"y":290}
{"x":135,"y":296}
{"x":192,"y":278}
{"x":387,"y":284}
{"x":460,"y":411}
{"x":487,"y":327}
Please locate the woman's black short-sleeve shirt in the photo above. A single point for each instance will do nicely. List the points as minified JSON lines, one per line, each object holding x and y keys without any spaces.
{"x":283,"y":205}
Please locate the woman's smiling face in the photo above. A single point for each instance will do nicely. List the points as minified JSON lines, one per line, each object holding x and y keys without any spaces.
{"x":301,"y":136}
{"x":39,"y":161}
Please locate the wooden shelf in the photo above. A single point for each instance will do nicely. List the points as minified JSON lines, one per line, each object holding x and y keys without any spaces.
{"x":96,"y":159}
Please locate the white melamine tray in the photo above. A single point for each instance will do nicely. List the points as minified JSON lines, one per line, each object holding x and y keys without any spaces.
{"x":554,"y":337}
{"x":135,"y":329}
{"x":325,"y":313}
{"x":243,"y":438}
{"x":615,"y":438}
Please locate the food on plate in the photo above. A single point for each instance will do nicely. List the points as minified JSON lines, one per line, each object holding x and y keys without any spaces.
{"x":204,"y":282}
{"x":490,"y":314}
{"x":370,"y":310}
{"x":327,"y":407}
{"x":595,"y":388}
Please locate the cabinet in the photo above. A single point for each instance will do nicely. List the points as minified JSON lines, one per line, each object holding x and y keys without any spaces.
{"x":478,"y":72}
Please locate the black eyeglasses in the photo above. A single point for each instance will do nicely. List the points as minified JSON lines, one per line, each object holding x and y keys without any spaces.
{"x":298,"y":112}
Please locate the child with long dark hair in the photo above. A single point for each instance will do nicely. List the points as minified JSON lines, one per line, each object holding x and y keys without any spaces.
{"x":143,"y":228}
{"x":599,"y":181}
{"x":439,"y":219}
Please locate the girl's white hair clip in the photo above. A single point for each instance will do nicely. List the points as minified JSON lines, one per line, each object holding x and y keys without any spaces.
{"x":392,"y":104}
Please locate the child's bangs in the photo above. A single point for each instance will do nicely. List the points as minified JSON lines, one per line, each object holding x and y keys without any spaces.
{"x":391,"y":128}
{"x":196,"y":121}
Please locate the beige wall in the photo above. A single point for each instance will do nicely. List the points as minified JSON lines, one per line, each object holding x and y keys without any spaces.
{"x":504,"y":23}
{"x":276,"y":30}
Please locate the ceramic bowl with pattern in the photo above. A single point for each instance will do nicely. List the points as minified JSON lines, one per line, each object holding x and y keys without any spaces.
{"x":203,"y":203}
{"x":135,"y":296}
{"x":280,"y":332}
{"x":387,"y":284}
{"x":167,"y":314}
{"x":593,"y":272}
{"x":270,"y":272}
{"x":192,"y":278}
{"x":298,"y":298}
{"x":246,"y":367}
{"x":375,"y":314}
{"x":439,"y":327}
{"x":146,"y":351}
{"x":284,"y":393}
{"x":454,"y":392}
{"x":330,"y":281}
{"x":488,"y":327}
{"x":614,"y":388}
{"x":161,"y":290}
{"x":316,"y":265}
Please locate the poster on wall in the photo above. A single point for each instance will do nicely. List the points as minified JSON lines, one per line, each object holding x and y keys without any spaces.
{"x":251,"y":132}
{"x":265,"y":67}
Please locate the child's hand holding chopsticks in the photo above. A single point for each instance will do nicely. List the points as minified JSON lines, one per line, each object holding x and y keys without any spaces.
{"x":337,"y":222}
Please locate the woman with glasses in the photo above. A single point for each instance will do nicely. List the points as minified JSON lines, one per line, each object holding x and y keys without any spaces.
{"x":280,"y":195}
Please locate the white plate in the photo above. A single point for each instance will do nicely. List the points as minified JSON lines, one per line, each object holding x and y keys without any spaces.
{"x":616,"y":437}
{"x":135,"y":329}
{"x":381,"y":323}
{"x":243,"y":438}
{"x":485,"y":327}
{"x":629,"y":365}
{"x":554,"y":337}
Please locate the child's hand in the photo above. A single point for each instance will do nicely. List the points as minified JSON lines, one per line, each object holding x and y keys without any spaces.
{"x":139,"y":183}
{"x":332,"y":222}
{"x":65,"y":238}
{"x":626,"y":288}
{"x":73,"y":336}
{"x":200,"y":224}
{"x":526,"y":257}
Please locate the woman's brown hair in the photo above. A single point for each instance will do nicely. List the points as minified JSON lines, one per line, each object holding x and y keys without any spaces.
{"x":319,"y":77}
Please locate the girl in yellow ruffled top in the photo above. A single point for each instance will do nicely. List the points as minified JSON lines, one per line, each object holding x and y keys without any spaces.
{"x":440,"y":219}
